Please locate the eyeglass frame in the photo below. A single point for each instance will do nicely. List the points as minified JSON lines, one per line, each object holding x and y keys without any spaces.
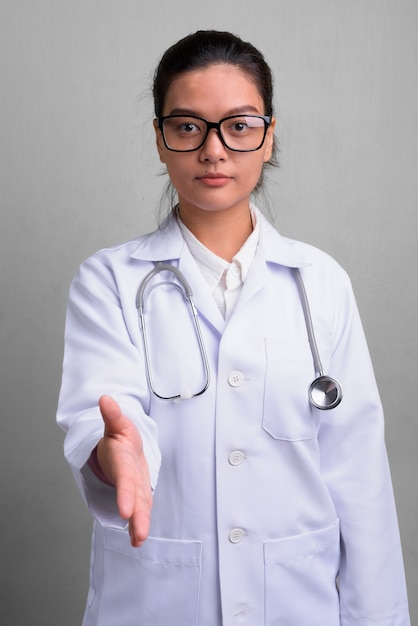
{"x":217,"y":127}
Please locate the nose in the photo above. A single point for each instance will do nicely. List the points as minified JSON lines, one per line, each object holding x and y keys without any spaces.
{"x":213,"y":149}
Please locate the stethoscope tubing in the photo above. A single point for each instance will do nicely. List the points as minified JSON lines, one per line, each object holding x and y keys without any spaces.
{"x":188,"y":296}
{"x":324,"y":392}
{"x":308,"y":320}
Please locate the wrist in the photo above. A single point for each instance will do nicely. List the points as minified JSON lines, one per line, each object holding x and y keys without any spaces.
{"x":94,"y":465}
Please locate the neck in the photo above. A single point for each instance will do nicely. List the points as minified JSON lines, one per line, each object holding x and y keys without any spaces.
{"x":222,"y":232}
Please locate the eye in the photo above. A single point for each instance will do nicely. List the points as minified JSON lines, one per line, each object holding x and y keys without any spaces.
{"x":186,"y":125}
{"x":238,"y":127}
{"x":188,"y":128}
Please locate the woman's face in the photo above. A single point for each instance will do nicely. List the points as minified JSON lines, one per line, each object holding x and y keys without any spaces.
{"x":214,"y":178}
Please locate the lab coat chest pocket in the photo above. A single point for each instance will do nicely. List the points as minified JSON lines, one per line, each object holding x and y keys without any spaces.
{"x":287,"y":414}
{"x":300,"y":579}
{"x":154,"y":585}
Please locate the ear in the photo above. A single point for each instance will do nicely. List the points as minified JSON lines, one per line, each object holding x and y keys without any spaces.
{"x":268,"y":150}
{"x":159,"y":141}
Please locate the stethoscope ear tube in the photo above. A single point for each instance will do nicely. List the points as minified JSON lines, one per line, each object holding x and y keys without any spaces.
{"x":324,"y":392}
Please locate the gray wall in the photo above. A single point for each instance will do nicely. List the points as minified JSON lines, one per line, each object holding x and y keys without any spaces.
{"x":79,"y":171}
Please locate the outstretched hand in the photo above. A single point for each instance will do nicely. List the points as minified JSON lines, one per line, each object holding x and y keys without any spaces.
{"x":121,"y":457}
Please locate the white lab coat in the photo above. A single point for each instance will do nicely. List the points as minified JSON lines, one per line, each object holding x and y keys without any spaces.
{"x":266,"y":511}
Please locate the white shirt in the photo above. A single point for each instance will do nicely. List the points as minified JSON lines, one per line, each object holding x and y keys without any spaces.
{"x":224,"y":279}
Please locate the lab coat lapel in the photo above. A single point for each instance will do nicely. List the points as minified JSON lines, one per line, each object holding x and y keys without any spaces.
{"x":167,"y":245}
{"x":203,"y":298}
{"x":272,"y":249}
{"x":256,"y":279}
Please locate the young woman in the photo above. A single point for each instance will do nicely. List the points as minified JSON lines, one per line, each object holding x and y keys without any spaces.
{"x":221,"y":492}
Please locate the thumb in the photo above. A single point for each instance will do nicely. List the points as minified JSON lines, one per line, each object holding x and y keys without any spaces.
{"x":111,"y":414}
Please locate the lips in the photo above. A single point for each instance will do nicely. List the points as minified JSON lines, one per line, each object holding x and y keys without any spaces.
{"x":214,"y":179}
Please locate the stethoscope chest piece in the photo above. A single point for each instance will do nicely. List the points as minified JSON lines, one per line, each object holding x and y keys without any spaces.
{"x":325,"y":392}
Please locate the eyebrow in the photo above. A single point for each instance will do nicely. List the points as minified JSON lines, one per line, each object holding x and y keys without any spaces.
{"x":247,"y":108}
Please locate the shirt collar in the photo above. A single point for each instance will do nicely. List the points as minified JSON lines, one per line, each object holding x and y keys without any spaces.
{"x":214,"y":267}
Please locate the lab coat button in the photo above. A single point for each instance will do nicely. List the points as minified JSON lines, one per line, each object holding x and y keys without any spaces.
{"x":236,"y":535}
{"x":235,"y":379}
{"x":236,"y":457}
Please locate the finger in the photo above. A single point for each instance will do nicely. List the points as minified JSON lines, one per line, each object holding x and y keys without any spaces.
{"x":125,"y":496}
{"x":133,"y":492}
{"x":139,"y":525}
{"x":135,"y":506}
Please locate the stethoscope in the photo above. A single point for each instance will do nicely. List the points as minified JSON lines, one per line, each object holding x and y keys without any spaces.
{"x":324,"y":392}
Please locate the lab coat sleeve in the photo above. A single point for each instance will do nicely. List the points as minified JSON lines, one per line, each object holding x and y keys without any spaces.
{"x":355,"y":466}
{"x":100,"y":357}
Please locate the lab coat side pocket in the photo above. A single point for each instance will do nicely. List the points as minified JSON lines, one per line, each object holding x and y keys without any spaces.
{"x":300,"y":579}
{"x":287,"y":414}
{"x":154,"y":585}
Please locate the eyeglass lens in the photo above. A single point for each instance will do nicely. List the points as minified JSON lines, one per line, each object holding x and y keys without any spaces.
{"x":242,"y":133}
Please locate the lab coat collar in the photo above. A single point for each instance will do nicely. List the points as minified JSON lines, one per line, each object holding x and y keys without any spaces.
{"x":275,"y":248}
{"x":164,"y":244}
{"x":167,"y":243}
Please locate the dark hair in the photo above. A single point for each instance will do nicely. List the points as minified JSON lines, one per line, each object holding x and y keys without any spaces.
{"x":210,"y":47}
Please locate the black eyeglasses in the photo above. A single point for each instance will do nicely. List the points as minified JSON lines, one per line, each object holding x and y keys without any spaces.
{"x":240,"y":133}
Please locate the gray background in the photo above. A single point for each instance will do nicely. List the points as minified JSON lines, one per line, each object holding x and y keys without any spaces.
{"x":79,"y":171}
